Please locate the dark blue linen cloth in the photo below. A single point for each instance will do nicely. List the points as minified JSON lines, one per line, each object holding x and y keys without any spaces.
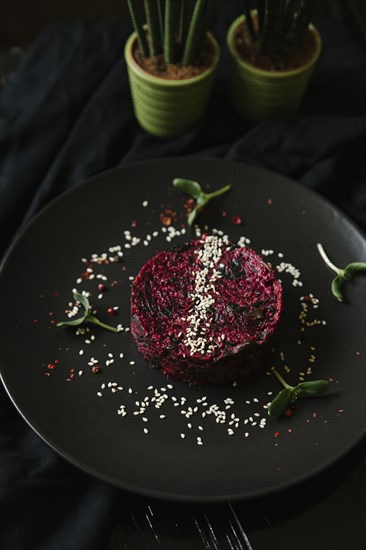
{"x":65,"y":115}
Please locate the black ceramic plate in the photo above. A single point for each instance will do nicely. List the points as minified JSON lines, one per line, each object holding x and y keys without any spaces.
{"x":277,"y":215}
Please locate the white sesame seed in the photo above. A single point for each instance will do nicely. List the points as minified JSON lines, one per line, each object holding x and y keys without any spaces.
{"x":99,"y":394}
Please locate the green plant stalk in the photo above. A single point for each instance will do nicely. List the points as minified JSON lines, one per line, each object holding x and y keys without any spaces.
{"x":305,"y":15}
{"x":260,"y":15}
{"x":278,"y":23}
{"x":169,"y":31}
{"x":249,"y":21}
{"x":177,"y":11}
{"x":266,"y":36}
{"x":186,"y":10}
{"x":182,"y":22}
{"x":208,"y":16}
{"x":137,"y":25}
{"x":194,"y":34}
{"x":288,"y":19}
{"x":152,"y":20}
{"x":161,"y":18}
{"x":300,"y":24}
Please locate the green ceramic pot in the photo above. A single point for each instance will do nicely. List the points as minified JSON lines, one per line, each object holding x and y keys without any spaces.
{"x":167,"y":108}
{"x":257,"y":93}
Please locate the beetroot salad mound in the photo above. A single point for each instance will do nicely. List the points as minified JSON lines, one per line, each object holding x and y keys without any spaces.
{"x":205,"y":312}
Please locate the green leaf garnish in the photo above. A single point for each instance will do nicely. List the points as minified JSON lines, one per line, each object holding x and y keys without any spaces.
{"x":190,"y":187}
{"x":194,"y":189}
{"x":312,"y":388}
{"x":345,"y":274}
{"x":352,"y":269}
{"x":289,"y":394}
{"x":337,"y":288}
{"x":87,"y":317}
{"x":281,"y":402}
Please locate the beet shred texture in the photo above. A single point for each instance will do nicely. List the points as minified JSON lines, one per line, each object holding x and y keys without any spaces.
{"x":205,"y":312}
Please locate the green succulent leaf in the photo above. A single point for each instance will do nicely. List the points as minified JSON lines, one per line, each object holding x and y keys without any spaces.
{"x":337,"y":287}
{"x":312,"y":388}
{"x":281,"y":402}
{"x":190,"y":187}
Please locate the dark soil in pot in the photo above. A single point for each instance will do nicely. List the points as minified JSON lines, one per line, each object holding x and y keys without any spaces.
{"x":273,"y":61}
{"x":156,"y":65}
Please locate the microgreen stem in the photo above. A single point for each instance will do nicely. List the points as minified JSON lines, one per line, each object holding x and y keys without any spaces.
{"x":280,"y":379}
{"x":92,"y":319}
{"x":219,"y":192}
{"x":327,"y":260}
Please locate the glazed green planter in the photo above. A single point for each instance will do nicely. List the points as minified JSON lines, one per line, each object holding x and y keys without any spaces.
{"x":167,"y":108}
{"x":257,"y":93}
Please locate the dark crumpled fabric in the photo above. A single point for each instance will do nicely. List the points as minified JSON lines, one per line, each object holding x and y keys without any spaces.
{"x":65,"y":115}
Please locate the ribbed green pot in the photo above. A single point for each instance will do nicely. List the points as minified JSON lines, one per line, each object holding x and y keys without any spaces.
{"x":167,"y":108}
{"x":257,"y":93}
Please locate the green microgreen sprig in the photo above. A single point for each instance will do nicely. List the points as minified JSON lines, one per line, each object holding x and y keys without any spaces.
{"x":87,"y":317}
{"x":345,"y":274}
{"x":194,"y":189}
{"x":289,"y":394}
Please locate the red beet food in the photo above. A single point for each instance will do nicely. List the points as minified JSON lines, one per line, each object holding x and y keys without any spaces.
{"x":205,"y":312}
